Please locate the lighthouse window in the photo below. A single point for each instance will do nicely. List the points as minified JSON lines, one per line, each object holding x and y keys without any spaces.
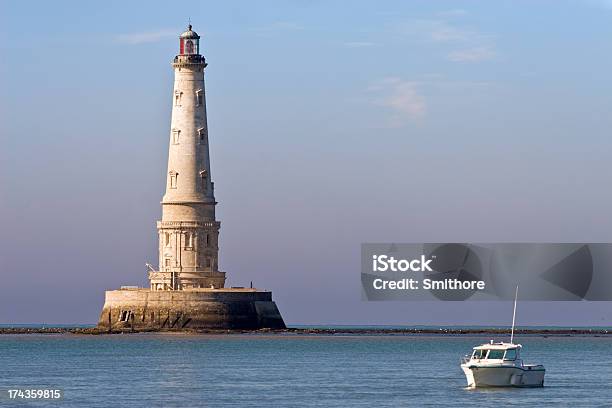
{"x":188,"y":47}
{"x":177,"y":98}
{"x":173,"y":177}
{"x":203,"y":176}
{"x":207,"y":240}
{"x":125,"y":315}
{"x":167,"y":238}
{"x":175,"y":136}
{"x":201,"y":135}
{"x":189,"y":240}
{"x":199,"y":99}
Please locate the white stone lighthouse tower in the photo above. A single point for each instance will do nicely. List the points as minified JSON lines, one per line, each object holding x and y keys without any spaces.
{"x":187,"y":291}
{"x":188,"y":231}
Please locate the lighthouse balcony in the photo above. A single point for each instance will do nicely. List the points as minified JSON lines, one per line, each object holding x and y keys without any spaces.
{"x":161,"y":275}
{"x":188,"y":224}
{"x":172,"y":280}
{"x":189,"y":60}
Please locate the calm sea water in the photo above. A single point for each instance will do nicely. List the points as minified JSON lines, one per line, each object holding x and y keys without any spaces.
{"x":178,"y":370}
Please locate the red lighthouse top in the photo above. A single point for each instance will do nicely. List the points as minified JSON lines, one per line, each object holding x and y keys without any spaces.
{"x":189,"y":42}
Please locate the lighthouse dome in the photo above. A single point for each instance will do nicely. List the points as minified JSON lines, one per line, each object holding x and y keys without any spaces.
{"x":190,"y":34}
{"x":189,"y":42}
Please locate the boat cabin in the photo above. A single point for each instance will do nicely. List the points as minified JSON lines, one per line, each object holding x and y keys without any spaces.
{"x":497,"y":351}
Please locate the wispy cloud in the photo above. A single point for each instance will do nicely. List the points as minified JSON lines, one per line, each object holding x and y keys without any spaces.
{"x":359,"y":44}
{"x":467,"y":44}
{"x":436,"y":30}
{"x":475,"y":54}
{"x":410,"y":101}
{"x":147,"y":37}
{"x":401,"y":97}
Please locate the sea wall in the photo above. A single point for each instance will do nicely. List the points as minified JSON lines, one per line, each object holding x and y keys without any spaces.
{"x":143,"y":309}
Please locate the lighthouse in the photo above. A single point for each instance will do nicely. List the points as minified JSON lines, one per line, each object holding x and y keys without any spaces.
{"x":187,"y":291}
{"x":188,"y":231}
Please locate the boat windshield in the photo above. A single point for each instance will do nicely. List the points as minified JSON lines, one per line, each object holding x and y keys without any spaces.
{"x":478,"y":354}
{"x":491,"y":354}
{"x":510,"y":354}
{"x":495,"y":354}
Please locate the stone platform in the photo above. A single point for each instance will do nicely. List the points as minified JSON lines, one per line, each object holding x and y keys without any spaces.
{"x":228,"y":308}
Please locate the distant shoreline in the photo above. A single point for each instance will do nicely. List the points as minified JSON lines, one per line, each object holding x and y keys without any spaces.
{"x":442,"y":331}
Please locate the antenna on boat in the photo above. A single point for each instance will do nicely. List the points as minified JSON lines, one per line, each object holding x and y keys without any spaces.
{"x":514,"y":315}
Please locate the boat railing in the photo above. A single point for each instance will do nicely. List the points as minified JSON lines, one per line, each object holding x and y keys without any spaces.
{"x":465,"y":359}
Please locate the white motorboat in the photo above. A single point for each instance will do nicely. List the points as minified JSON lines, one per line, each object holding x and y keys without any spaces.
{"x":501,"y":365}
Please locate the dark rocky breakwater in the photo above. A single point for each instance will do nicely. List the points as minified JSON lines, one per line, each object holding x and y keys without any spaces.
{"x":599,"y":332}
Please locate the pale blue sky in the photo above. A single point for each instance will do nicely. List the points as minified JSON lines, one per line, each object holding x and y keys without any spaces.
{"x":331,"y":124}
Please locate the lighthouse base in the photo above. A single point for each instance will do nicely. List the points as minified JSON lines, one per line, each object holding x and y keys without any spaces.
{"x":147,"y":310}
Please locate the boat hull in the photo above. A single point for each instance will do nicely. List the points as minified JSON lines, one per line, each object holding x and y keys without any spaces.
{"x":503,"y":376}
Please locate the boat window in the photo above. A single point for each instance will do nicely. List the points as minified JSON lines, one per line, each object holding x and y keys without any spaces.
{"x":510,"y":354}
{"x":478,"y":354}
{"x":496,"y":354}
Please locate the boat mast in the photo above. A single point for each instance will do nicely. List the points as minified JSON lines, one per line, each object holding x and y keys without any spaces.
{"x":513,"y":315}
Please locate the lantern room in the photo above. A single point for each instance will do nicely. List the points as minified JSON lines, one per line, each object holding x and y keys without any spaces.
{"x":189,"y":42}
